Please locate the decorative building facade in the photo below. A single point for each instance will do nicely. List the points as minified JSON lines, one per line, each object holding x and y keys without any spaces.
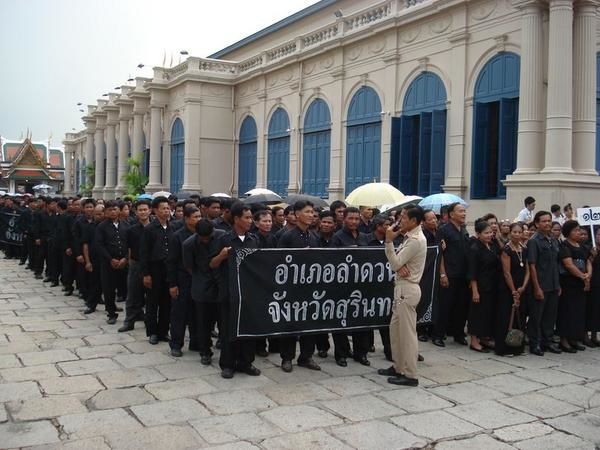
{"x":492,"y":100}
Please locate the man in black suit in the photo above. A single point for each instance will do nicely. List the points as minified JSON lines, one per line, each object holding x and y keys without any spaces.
{"x":92,"y":260}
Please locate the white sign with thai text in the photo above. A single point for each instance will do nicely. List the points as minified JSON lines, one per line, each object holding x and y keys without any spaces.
{"x":588,"y":216}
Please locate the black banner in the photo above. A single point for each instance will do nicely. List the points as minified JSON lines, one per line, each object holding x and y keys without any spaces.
{"x":281,"y":292}
{"x":10,"y":228}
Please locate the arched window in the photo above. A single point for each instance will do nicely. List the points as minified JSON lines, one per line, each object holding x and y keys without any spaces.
{"x":316,"y":148}
{"x":247,"y":156}
{"x":177,"y":155}
{"x":418,"y":155}
{"x":495,"y":126}
{"x":278,"y":160}
{"x":363,"y":139}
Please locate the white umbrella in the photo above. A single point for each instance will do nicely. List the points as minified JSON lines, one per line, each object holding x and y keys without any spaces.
{"x":161,"y":194}
{"x":409,"y":199}
{"x":220,"y":194}
{"x":374,"y":195}
{"x":257,"y":191}
{"x":42,"y":186}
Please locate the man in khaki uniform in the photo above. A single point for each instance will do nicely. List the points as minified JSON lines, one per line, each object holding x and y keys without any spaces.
{"x":408,"y":262}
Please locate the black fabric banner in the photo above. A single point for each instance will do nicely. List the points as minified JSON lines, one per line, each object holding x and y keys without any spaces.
{"x":10,"y":228}
{"x":278,"y":292}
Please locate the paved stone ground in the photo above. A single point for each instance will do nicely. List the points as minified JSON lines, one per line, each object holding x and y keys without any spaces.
{"x":71,"y":381}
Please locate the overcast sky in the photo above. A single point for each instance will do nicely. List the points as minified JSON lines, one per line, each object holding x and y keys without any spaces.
{"x":56,"y":53}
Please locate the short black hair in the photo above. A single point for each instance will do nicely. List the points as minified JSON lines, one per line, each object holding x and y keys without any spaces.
{"x":452,"y":206}
{"x":111,"y":204}
{"x":62,"y":205}
{"x":288,"y":210}
{"x":555,"y":208}
{"x":207,"y":201}
{"x":142,"y":201}
{"x":481,"y":225}
{"x":204,"y":227}
{"x":489,"y":216}
{"x":539,"y":215}
{"x":569,"y":226}
{"x":259,"y":214}
{"x":326,"y":213}
{"x":238,"y":209}
{"x":350,"y":210}
{"x":87,"y":201}
{"x":415,"y":212}
{"x":188,"y":210}
{"x":275,"y":209}
{"x":158,"y":200}
{"x":515,"y":225}
{"x":379,"y":220}
{"x":529,"y":200}
{"x":301,"y":204}
{"x":336,"y":205}
{"x":567,"y":207}
{"x":227,"y":203}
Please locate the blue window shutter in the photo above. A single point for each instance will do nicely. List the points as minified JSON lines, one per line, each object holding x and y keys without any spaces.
{"x":278,"y":159}
{"x":395,"y":152}
{"x":409,"y":139}
{"x":509,"y":120}
{"x":438,"y":152}
{"x":479,"y":154}
{"x":316,"y":149}
{"x":598,"y":135}
{"x":423,"y":174}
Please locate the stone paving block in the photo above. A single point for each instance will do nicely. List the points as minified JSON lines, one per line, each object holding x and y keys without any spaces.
{"x":30,"y":373}
{"x":435,"y":425}
{"x":231,"y":402}
{"x":120,"y":398}
{"x":78,"y":332}
{"x":555,"y":441}
{"x":300,"y":418}
{"x":527,"y":361}
{"x":169,"y":390}
{"x":172,"y":411}
{"x":510,"y":384}
{"x":70,"y":385}
{"x":9,"y":361}
{"x":490,"y":414}
{"x":240,"y":381}
{"x":584,"y":425}
{"x":377,"y":435}
{"x":522,"y":432}
{"x":87,"y":366}
{"x":549,"y":377}
{"x":46,"y":325}
{"x":363,"y":407}
{"x":18,"y":347}
{"x":105,"y":339}
{"x":101,"y":351}
{"x":24,"y":434}
{"x":540,"y":405}
{"x":181,"y":370}
{"x":46,"y":357}
{"x":479,"y":442}
{"x":469,"y":392}
{"x":589,"y":371}
{"x":351,"y":385}
{"x":216,"y":430}
{"x":44,"y":408}
{"x":132,"y":360}
{"x":489,"y":367}
{"x":241,"y":445}
{"x":99,"y":423}
{"x":129,"y":377}
{"x":144,"y":346}
{"x":96,"y":443}
{"x":160,"y":437}
{"x":414,"y":400}
{"x":329,"y":367}
{"x":297,"y":394}
{"x":3,"y":415}
{"x":309,"y":440}
{"x":447,"y":373}
{"x":61,"y":343}
{"x":298,"y":375}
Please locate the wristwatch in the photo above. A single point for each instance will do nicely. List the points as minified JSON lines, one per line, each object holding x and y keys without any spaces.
{"x":442,"y":275}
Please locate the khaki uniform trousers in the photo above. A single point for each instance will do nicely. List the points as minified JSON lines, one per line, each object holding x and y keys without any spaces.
{"x":403,"y":328}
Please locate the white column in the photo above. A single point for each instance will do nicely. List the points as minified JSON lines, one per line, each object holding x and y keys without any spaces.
{"x":584,"y":88}
{"x":154,"y":183}
{"x":192,"y":149}
{"x":89,"y":147}
{"x":560,"y":89}
{"x":69,"y":153}
{"x":99,"y":173}
{"x":111,"y":151}
{"x":123,"y":164}
{"x":137,"y":142}
{"x":531,"y":90}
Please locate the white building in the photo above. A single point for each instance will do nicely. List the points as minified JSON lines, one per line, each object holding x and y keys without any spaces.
{"x":491,"y":100}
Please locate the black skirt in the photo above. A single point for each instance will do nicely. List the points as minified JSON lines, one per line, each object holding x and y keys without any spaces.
{"x":502,"y":320}
{"x":592,"y":314}
{"x":571,"y":311}
{"x":481,"y":315}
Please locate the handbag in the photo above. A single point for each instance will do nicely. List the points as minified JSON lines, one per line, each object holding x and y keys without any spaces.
{"x":514,"y":336}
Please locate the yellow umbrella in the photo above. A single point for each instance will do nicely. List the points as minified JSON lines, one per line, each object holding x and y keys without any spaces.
{"x":374,"y":195}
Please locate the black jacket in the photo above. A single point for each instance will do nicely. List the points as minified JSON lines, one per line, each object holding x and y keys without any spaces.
{"x":112,"y":240}
{"x":154,"y":245}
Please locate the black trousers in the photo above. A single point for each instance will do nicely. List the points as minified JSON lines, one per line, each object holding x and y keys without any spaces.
{"x":360,"y":344}
{"x":68,"y":270}
{"x":158,"y":305}
{"x":110,"y":280}
{"x":207,"y":314}
{"x":81,"y":276}
{"x":236,"y":354}
{"x":39,"y":256}
{"x":542,"y":319}
{"x":24,"y":250}
{"x":93,"y":285}
{"x":322,"y":342}
{"x":54,"y":260}
{"x":287,"y":347}
{"x":136,"y":294}
{"x":453,"y":309}
{"x":384,"y":332}
{"x":183,"y":315}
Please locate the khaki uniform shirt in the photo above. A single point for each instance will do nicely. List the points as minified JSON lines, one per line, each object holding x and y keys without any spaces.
{"x":411,"y":253}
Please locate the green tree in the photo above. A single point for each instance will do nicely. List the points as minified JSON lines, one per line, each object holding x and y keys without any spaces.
{"x":90,"y":175}
{"x":134,"y":180}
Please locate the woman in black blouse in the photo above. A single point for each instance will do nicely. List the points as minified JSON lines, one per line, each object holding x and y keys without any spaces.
{"x":592,"y":313}
{"x":483,"y":274}
{"x":575,"y":271}
{"x":513,"y":289}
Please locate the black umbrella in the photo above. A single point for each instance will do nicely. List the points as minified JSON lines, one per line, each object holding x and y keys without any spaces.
{"x":184,"y":195}
{"x":262,"y":198}
{"x":317,"y":201}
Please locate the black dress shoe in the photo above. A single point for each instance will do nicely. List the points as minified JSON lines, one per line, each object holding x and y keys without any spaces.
{"x":402,"y":380}
{"x":322,"y":353}
{"x":423,"y":338}
{"x":438,"y":342}
{"x":480,"y":350}
{"x":363,"y":360}
{"x":126,"y":327}
{"x":536,"y":351}
{"x":372,"y":349}
{"x":341,"y":362}
{"x":64,"y":288}
{"x":89,"y":310}
{"x":577,"y":346}
{"x":47,"y":280}
{"x":227,"y":373}
{"x":420,"y":358}
{"x":164,"y":338}
{"x":205,"y":360}
{"x":22,"y":263}
{"x":262,"y":353}
{"x":460,"y":340}
{"x":118,"y":309}
{"x":153,"y":339}
{"x":309,"y":364}
{"x":286,"y":366}
{"x":389,"y":372}
{"x":251,"y":370}
{"x":568,"y":349}
{"x":111,"y":320}
{"x":177,"y":353}
{"x":553,"y":348}
{"x":38,"y":276}
{"x":68,"y":292}
{"x":218,"y":344}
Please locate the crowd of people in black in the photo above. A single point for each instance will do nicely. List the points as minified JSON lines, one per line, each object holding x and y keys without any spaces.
{"x":167,"y":262}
